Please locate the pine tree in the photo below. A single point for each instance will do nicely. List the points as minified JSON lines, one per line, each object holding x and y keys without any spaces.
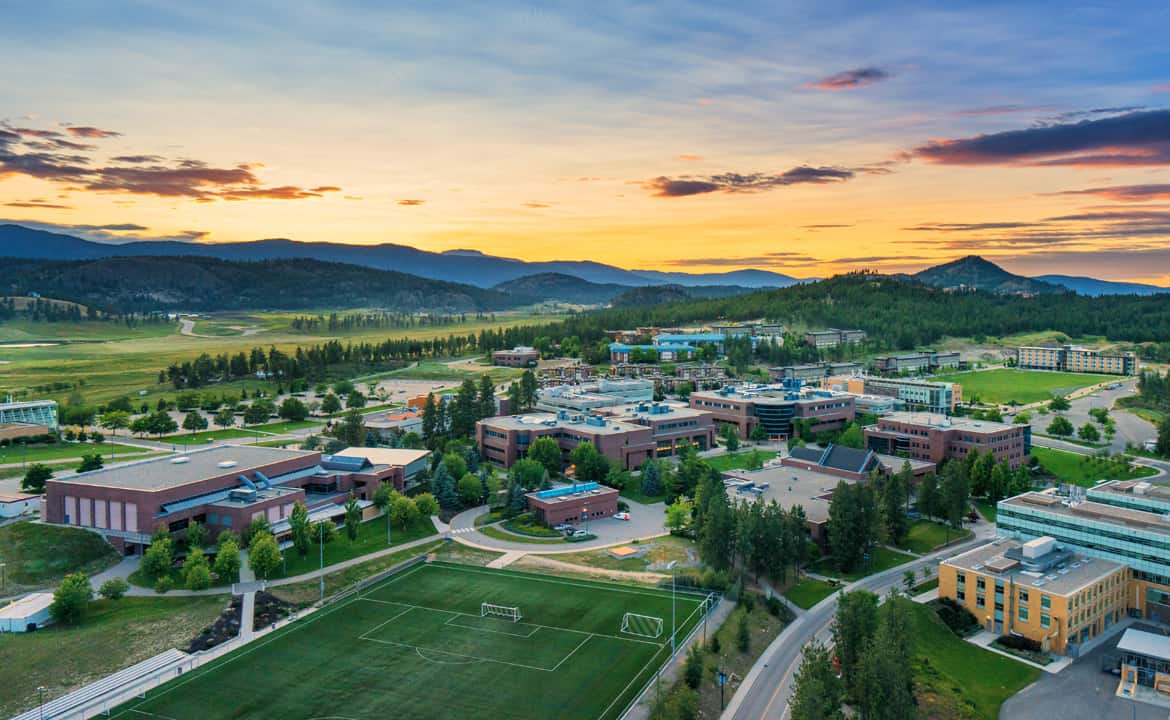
{"x":816,"y":694}
{"x":443,"y":486}
{"x":486,"y":398}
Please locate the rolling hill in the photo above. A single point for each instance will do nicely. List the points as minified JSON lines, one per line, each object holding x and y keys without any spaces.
{"x":562,"y":287}
{"x":146,"y":284}
{"x":1095,"y":287}
{"x":975,"y":273}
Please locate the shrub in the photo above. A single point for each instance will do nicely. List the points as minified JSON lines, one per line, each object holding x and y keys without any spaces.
{"x":163,"y":584}
{"x":114,"y":588}
{"x":1017,"y":642}
{"x":715,"y":645}
{"x":693,"y":673}
{"x":748,"y":601}
{"x":958,"y":618}
{"x":743,"y":635}
{"x":71,"y":598}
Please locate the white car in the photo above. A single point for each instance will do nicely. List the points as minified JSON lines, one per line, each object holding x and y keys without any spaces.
{"x":580,"y":533}
{"x":563,"y":526}
{"x":622,"y":516}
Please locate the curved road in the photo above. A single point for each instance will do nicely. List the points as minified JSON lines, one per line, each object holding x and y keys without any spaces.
{"x":765,"y":691}
{"x":645,"y":522}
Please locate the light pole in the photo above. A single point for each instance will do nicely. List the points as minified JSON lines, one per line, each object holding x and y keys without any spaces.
{"x":321,"y":545}
{"x":41,"y":700}
{"x":670,"y":566}
{"x":3,"y":577}
{"x":388,"y":543}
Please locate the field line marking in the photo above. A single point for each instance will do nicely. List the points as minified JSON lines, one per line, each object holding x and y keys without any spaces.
{"x":381,"y":624}
{"x":150,"y":714}
{"x":448,"y":652}
{"x":607,"y":587}
{"x":571,"y":652}
{"x":456,"y":616}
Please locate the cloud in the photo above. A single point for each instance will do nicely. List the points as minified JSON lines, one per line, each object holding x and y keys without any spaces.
{"x":86,"y":131}
{"x":1161,"y":88}
{"x":43,"y":155}
{"x":851,"y":79}
{"x":689,"y":158}
{"x":1094,"y":112}
{"x":1126,"y":193}
{"x":411,"y":203}
{"x":663,"y":186}
{"x":115,"y":233}
{"x":825,"y":226}
{"x":1131,"y":139}
{"x":38,"y":204}
{"x":969,"y":227}
{"x":1003,"y":110}
{"x":536,"y":205}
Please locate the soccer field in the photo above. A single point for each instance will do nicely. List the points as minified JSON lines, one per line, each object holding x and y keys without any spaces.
{"x":416,"y":646}
{"x":1006,"y":385}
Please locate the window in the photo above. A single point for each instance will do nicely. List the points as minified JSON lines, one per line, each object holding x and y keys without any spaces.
{"x":1023,"y":596}
{"x":1046,"y":602}
{"x":961,"y":595}
{"x":980,"y":583}
{"x":1023,"y":614}
{"x":980,"y":601}
{"x":961,"y":578}
{"x":1045,"y":621}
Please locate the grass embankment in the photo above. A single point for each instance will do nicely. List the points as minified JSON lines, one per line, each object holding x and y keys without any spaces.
{"x":109,"y":451}
{"x":371,"y":538}
{"x":1087,"y":470}
{"x":113,"y":635}
{"x":633,"y":491}
{"x":880,"y":558}
{"x":740,"y":460}
{"x":494,"y":532}
{"x":18,"y":471}
{"x":1006,"y":386}
{"x":308,"y":592}
{"x":431,"y":370}
{"x":925,"y":536}
{"x":986,"y":508}
{"x":38,"y":556}
{"x":763,"y":628}
{"x":809,"y":592}
{"x":957,"y":679}
{"x":659,"y":551}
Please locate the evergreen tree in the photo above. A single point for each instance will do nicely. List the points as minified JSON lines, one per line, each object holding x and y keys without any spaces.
{"x":928,"y":501}
{"x":443,"y":485}
{"x":430,"y":422}
{"x":528,"y":387}
{"x":853,"y":628}
{"x":651,"y":477}
{"x":816,"y":694}
{"x":894,"y":518}
{"x":717,"y":538}
{"x":465,"y":410}
{"x":954,"y":494}
{"x":885,"y":677}
{"x":486,"y":397}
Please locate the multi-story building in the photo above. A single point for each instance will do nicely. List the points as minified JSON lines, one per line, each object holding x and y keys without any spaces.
{"x":573,"y":503}
{"x":1073,"y":358}
{"x":518,"y":357}
{"x":920,"y":362}
{"x":627,"y":435}
{"x":701,"y":374}
{"x":398,"y":422}
{"x":813,"y":372}
{"x":573,"y":374}
{"x":665,"y":352}
{"x":223,"y":487}
{"x":22,"y":419}
{"x":774,"y":408}
{"x":833,"y":337}
{"x":1041,"y":589}
{"x":934,"y":438}
{"x":933,"y":397}
{"x":605,"y":393}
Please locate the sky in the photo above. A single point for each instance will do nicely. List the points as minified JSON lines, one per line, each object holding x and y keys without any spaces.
{"x":808,"y":139}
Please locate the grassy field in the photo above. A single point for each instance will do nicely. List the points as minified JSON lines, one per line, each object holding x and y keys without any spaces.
{"x":371,"y":538}
{"x":738,"y":461}
{"x":429,"y":370}
{"x":880,"y":558}
{"x":62,"y":450}
{"x":809,"y":592}
{"x":113,"y":360}
{"x":37,"y":556}
{"x":12,"y":471}
{"x":1006,"y":386}
{"x":925,"y":536}
{"x":986,"y":509}
{"x":416,"y":646}
{"x":633,"y":491}
{"x":494,"y":532}
{"x":659,"y":550}
{"x":115,"y":634}
{"x":947,"y":686}
{"x":1087,"y":470}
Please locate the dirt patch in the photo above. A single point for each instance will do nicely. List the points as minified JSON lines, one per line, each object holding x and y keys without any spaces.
{"x":225,"y":627}
{"x":542,"y":561}
{"x":270,"y":609}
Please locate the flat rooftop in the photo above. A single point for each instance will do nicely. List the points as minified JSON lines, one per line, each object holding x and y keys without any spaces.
{"x":1063,"y":579}
{"x":945,"y":422}
{"x":1136,"y":489}
{"x":788,"y":486}
{"x":1095,"y":511}
{"x":165,"y":472}
{"x":1140,"y":642}
{"x":401,"y":457}
{"x":537,"y":421}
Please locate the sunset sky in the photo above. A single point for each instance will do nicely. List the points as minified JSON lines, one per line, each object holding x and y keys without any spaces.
{"x":805,"y":139}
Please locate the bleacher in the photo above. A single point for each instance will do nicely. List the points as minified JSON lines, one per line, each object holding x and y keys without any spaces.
{"x":76,"y":703}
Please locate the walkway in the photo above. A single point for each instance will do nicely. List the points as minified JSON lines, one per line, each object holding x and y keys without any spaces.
{"x":505,"y":560}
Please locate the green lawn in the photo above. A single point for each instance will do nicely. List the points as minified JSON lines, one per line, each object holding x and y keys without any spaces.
{"x":1087,"y":470}
{"x":739,"y":460}
{"x":371,"y":538}
{"x":880,"y":558}
{"x":207,"y":436}
{"x":1006,"y":386}
{"x":114,"y":635}
{"x":925,"y":536}
{"x":62,"y":450}
{"x":38,"y":556}
{"x":659,"y":550}
{"x":494,"y":532}
{"x":423,"y":629}
{"x":18,"y":471}
{"x":809,"y":592}
{"x":280,"y":428}
{"x":633,"y":491}
{"x":986,"y":508}
{"x":952,"y":673}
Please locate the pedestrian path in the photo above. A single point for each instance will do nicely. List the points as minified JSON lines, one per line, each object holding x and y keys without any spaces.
{"x":506,"y":559}
{"x":462,"y":530}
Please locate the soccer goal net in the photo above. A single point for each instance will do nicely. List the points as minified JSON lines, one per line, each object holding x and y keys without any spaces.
{"x":646,"y":626}
{"x":501,"y":611}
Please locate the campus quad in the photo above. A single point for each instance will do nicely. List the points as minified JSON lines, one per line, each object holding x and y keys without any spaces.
{"x":418,"y":646}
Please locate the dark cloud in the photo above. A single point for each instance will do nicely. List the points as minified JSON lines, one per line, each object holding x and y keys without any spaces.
{"x":774,"y":258}
{"x":411,"y":203}
{"x":851,"y":79}
{"x":1093,"y":113}
{"x":46,"y":156}
{"x":1003,"y":110}
{"x":42,"y":205}
{"x":112,"y":232}
{"x":1126,"y":193}
{"x":969,"y":227}
{"x":86,"y":131}
{"x":663,"y":186}
{"x":824,"y":226}
{"x":1132,"y":139}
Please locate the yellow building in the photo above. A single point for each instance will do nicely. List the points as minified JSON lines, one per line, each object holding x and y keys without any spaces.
{"x":1073,"y":358}
{"x":1039,"y":590}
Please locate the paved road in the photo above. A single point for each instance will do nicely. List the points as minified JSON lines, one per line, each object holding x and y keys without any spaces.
{"x":1130,"y":427}
{"x":645,"y":522}
{"x":765,"y":691}
{"x":1163,"y":465}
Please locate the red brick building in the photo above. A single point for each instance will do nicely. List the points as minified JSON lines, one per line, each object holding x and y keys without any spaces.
{"x":775,"y":409}
{"x":573,"y":504}
{"x":935,"y":438}
{"x":517,"y":357}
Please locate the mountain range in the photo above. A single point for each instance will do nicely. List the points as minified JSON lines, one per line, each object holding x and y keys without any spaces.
{"x":464,"y":266}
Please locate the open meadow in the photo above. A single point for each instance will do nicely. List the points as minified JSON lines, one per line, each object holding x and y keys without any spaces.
{"x":1006,"y":386}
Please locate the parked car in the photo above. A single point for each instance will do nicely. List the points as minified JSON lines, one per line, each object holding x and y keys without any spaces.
{"x":622,"y":516}
{"x":580,"y":533}
{"x":563,"y":526}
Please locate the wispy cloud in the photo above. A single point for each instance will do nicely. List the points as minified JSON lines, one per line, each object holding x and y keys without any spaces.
{"x":685,"y":185}
{"x":1130,"y":139}
{"x":825,"y":226}
{"x":689,"y":158}
{"x":851,"y":79}
{"x":411,"y":202}
{"x":113,"y":233}
{"x":773,"y":259}
{"x":1126,"y":193}
{"x":1003,"y":110}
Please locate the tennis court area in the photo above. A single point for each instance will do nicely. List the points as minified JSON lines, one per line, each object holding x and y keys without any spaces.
{"x":443,"y":641}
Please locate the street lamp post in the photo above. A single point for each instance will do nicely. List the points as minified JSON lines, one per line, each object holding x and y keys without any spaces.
{"x":321,"y":545}
{"x":670,"y":566}
{"x":388,"y":543}
{"x":41,"y":700}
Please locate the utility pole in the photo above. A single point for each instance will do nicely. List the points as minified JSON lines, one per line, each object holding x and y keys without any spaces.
{"x":321,"y":545}
{"x":671,"y":565}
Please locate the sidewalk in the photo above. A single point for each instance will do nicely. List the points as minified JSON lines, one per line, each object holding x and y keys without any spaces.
{"x":984,"y":639}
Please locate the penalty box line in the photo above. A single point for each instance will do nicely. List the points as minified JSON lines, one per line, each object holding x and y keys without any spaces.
{"x":420,"y":650}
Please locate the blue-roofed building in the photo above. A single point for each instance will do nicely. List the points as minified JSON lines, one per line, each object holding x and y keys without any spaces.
{"x":573,"y":503}
{"x":665,"y":352}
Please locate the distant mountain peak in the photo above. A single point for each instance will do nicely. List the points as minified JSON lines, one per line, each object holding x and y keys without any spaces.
{"x":973,"y":272}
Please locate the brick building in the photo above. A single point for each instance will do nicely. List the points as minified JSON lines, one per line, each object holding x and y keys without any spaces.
{"x":934,"y":438}
{"x":517,"y":357}
{"x":775,"y":408}
{"x":573,"y":503}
